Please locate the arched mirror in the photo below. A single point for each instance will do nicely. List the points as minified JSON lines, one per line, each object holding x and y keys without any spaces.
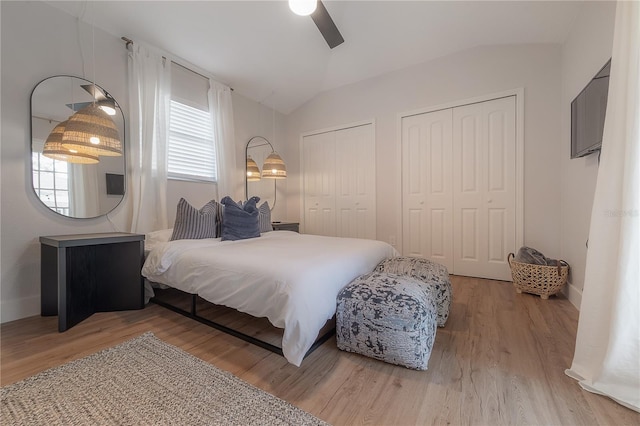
{"x":257,"y":150}
{"x":80,"y":185}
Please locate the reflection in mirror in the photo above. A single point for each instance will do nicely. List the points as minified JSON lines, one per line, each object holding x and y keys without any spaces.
{"x":257,"y":150}
{"x":74,"y":185}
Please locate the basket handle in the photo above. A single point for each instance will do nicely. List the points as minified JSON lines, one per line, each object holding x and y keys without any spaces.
{"x":561,"y":263}
{"x":510,"y":256}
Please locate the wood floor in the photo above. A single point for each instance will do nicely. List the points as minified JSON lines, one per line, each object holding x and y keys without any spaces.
{"x":499,"y":360}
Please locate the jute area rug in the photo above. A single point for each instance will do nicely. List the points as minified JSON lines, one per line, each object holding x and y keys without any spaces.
{"x":143,"y":381}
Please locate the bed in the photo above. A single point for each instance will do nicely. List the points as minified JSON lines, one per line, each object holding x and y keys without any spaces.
{"x":291,"y":279}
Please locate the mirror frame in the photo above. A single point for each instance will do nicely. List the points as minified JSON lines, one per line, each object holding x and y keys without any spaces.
{"x":246,"y":182}
{"x":122,"y":137}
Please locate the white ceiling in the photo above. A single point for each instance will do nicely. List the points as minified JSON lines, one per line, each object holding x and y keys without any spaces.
{"x":268,"y":54}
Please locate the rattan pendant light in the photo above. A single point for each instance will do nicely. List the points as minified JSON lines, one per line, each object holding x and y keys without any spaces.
{"x":253,"y":172}
{"x":91,"y":131}
{"x":274,"y":167}
{"x":53,"y":148}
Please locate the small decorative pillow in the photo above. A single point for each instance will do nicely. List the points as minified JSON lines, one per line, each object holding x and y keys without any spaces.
{"x":194,"y":224}
{"x":265,"y":217}
{"x":240,"y":221}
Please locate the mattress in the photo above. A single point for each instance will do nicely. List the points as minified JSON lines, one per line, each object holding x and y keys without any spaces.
{"x":292,"y":279}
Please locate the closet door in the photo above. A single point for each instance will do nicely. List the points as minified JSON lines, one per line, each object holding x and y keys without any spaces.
{"x":484,"y":188}
{"x":459,"y":187}
{"x":339,"y":182}
{"x":355,"y":182}
{"x":319,"y":181}
{"x":427,"y":187}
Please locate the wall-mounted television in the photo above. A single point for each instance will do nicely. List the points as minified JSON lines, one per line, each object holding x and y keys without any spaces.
{"x":587,"y":114}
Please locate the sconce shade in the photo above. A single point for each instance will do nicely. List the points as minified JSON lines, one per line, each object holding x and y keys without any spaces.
{"x":253,"y":172}
{"x":92,"y":132}
{"x":53,"y":148}
{"x":274,"y":167}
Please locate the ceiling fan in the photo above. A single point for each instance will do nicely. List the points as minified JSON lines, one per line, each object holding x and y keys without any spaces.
{"x":320,"y":17}
{"x":103,"y":100}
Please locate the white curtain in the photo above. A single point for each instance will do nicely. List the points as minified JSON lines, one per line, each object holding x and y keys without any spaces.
{"x":149,"y":102}
{"x":607,"y":353}
{"x":230,"y":176}
{"x":83,"y":190}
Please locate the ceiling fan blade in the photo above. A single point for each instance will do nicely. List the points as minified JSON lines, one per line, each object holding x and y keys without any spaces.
{"x":94,"y":91}
{"x":326,"y":26}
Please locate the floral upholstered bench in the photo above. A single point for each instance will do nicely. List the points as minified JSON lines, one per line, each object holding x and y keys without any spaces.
{"x":387,"y":317}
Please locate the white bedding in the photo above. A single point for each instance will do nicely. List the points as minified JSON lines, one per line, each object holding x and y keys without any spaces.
{"x":292,"y":279}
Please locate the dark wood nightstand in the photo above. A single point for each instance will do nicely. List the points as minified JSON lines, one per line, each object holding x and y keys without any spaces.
{"x":88,"y":273}
{"x":286,"y":226}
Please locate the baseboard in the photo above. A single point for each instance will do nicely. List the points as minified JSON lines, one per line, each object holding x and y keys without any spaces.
{"x":11,"y":310}
{"x":574,"y":295}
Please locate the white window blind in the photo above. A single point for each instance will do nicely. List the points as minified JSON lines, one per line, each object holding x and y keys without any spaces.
{"x":191,"y":154}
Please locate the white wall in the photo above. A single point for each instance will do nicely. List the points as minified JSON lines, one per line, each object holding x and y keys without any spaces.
{"x":586,"y":50}
{"x":40,"y":41}
{"x":468,"y":74}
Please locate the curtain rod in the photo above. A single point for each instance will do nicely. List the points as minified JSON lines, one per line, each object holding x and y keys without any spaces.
{"x":129,"y":42}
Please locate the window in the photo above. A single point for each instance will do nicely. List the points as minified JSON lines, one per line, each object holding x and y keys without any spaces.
{"x":50,"y":181}
{"x":191,"y":152}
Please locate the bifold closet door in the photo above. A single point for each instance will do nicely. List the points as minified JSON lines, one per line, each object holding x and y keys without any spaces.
{"x":427,"y":187}
{"x":355,"y":183}
{"x":339,"y":183}
{"x":319,"y":182}
{"x":459,"y":187}
{"x":484,"y":188}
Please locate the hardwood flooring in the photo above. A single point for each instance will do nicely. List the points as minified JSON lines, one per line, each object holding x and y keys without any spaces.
{"x":500,"y":360}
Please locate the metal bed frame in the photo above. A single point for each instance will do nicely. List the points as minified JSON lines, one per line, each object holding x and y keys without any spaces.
{"x":192,"y":313}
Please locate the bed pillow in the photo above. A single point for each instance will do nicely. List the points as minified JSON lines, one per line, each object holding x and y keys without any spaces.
{"x":194,"y":224}
{"x":240,"y":221}
{"x":264,"y":217}
{"x":154,"y":238}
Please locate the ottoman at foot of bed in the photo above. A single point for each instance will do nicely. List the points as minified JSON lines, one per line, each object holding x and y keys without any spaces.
{"x":430,"y":274}
{"x":388,"y":317}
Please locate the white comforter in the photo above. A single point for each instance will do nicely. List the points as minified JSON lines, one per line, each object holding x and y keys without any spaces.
{"x":292,"y":279}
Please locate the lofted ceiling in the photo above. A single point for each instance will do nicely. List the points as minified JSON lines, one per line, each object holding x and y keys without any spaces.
{"x":270,"y":55}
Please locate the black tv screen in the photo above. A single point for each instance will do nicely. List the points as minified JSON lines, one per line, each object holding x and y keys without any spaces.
{"x":115,"y":184}
{"x":587,"y":114}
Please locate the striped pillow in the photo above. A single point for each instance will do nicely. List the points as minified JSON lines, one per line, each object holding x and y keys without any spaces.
{"x":194,"y":224}
{"x":264,"y":217}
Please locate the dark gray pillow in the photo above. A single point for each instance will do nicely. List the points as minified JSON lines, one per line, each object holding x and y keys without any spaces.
{"x":264,"y":217}
{"x":194,"y":224}
{"x":240,"y":222}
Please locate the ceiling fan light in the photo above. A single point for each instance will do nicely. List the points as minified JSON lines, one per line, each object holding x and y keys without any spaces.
{"x":303,"y":7}
{"x":108,"y":106}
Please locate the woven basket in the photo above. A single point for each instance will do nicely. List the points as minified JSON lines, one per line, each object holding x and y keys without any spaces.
{"x":538,"y":279}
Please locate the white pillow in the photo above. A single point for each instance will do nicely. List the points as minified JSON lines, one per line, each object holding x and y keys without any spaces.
{"x":152,"y":239}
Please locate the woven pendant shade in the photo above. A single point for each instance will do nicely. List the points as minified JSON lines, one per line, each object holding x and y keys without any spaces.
{"x":253,"y":172}
{"x":92,"y":131}
{"x":274,"y":167}
{"x":53,"y":148}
